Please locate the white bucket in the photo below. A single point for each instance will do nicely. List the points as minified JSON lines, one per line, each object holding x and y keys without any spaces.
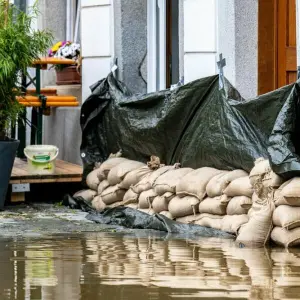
{"x":41,"y":159}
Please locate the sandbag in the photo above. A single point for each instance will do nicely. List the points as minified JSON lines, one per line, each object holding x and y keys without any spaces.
{"x":145,"y":199}
{"x":168,"y":181}
{"x":218,"y":183}
{"x":148,"y":181}
{"x":239,"y":187}
{"x":189,"y":219}
{"x":167,"y":214}
{"x":286,"y":238}
{"x":87,"y":195}
{"x":256,"y":232}
{"x":143,"y":185}
{"x":148,"y":211}
{"x":262,"y":173}
{"x":118,"y":173}
{"x":291,"y":192}
{"x":98,"y":204}
{"x":133,"y":177}
{"x":102,"y":186}
{"x":239,"y":205}
{"x":130,"y":195}
{"x":287,"y":217}
{"x":161,"y":203}
{"x":233,"y":223}
{"x":195,"y":182}
{"x":112,"y":194}
{"x":181,"y":207}
{"x":209,"y":220}
{"x":92,"y":180}
{"x":213,"y":206}
{"x":132,"y":205}
{"x":107,"y":165}
{"x":280,"y":200}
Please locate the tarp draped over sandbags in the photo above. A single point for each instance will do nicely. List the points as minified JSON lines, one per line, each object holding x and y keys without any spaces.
{"x":196,"y":124}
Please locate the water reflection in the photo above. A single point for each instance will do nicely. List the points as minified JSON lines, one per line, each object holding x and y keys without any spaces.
{"x":114,"y":266}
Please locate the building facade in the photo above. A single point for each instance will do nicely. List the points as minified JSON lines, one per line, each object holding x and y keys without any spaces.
{"x":155,"y":43}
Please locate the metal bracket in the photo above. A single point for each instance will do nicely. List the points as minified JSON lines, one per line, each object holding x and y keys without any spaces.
{"x":21,"y":188}
{"x":44,"y":101}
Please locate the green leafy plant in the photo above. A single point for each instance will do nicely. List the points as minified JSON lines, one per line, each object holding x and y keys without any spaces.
{"x":20,"y":45}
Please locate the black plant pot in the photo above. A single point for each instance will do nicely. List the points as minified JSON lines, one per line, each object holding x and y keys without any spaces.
{"x":8,"y":151}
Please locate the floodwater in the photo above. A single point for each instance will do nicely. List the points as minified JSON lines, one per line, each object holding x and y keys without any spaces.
{"x":117,"y":266}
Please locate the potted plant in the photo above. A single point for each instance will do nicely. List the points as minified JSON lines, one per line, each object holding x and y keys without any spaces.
{"x":67,"y":74}
{"x":19,"y":46}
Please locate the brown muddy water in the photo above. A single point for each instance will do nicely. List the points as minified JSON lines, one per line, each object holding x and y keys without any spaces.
{"x":118,"y":266}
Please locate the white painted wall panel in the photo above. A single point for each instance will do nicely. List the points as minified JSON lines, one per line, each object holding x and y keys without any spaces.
{"x":198,"y":65}
{"x":95,"y":31}
{"x":199,"y":25}
{"x":85,"y":3}
{"x":93,"y":69}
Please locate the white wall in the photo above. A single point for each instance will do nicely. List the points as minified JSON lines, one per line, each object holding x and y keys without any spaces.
{"x":96,"y":41}
{"x":200,"y":43}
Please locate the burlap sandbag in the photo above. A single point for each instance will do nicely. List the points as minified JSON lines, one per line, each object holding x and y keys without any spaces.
{"x":148,"y":211}
{"x":286,"y":238}
{"x":107,"y":165}
{"x":210,"y":220}
{"x":102,"y":186}
{"x":182,"y":207}
{"x":161,"y":203}
{"x":112,"y":194}
{"x":239,"y":187}
{"x":195,"y":182}
{"x":145,"y":199}
{"x":232,"y":224}
{"x":132,"y":205}
{"x":280,"y":200}
{"x":263,"y":174}
{"x":130,"y":195}
{"x":218,"y":183}
{"x":287,"y":217}
{"x":143,"y":185}
{"x":92,"y":180}
{"x":239,"y":205}
{"x":256,"y":232}
{"x":291,"y":192}
{"x":167,"y":214}
{"x":118,"y":173}
{"x":213,"y":206}
{"x":87,"y":195}
{"x":133,"y":177}
{"x":148,"y":181}
{"x":189,"y":219}
{"x":98,"y":204}
{"x":168,"y":181}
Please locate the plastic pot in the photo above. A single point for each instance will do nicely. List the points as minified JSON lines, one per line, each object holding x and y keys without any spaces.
{"x":8,"y":151}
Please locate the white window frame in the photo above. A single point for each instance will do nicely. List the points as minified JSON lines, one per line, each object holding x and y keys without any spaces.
{"x":72,"y":20}
{"x":156,"y":45}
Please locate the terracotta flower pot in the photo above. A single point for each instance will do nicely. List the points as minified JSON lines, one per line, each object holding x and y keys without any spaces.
{"x":68,"y":75}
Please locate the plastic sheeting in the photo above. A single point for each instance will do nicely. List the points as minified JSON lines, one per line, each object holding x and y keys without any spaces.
{"x":196,"y":124}
{"x":131,"y":218}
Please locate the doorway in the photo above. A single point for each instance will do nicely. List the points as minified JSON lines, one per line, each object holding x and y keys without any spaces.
{"x":277,"y":54}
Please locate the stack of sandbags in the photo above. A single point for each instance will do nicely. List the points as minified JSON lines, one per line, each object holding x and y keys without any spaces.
{"x":215,"y":189}
{"x":286,"y":217}
{"x":256,"y":232}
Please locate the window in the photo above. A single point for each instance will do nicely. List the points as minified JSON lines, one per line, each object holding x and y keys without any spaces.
{"x":73,"y":20}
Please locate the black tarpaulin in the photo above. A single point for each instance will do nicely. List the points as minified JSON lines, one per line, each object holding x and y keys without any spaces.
{"x":196,"y":124}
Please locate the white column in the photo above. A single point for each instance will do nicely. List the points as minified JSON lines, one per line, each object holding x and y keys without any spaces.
{"x":200,"y":42}
{"x":96,"y":41}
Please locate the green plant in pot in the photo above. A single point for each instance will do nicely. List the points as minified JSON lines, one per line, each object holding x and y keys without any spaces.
{"x":19,"y":47}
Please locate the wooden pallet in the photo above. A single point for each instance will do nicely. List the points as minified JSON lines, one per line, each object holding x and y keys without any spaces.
{"x":64,"y":172}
